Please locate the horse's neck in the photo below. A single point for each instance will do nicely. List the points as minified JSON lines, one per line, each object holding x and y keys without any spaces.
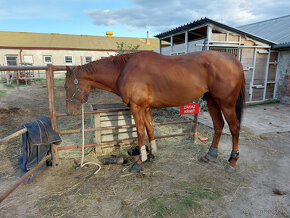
{"x":105,"y":77}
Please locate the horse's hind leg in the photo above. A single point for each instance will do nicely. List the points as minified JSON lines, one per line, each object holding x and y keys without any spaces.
{"x":234,"y":124}
{"x":139,"y":117}
{"x":218,"y":123}
{"x":150,"y":132}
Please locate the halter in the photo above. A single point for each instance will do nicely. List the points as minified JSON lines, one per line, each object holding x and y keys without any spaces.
{"x":77,"y":90}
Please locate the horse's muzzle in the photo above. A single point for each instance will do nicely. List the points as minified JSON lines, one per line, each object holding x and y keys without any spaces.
{"x":72,"y":109}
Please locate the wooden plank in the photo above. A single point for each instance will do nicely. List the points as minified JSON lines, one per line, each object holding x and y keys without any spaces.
{"x":107,"y":106}
{"x":233,"y":38}
{"x":195,"y":124}
{"x":218,"y":37}
{"x":274,"y":56}
{"x":261,"y":63}
{"x":124,"y":113}
{"x":95,"y":129}
{"x":116,"y":131}
{"x":92,"y":112}
{"x":25,"y":177}
{"x":118,"y":117}
{"x":51,"y":96}
{"x":117,"y":122}
{"x":97,"y":138}
{"x":120,"y":136}
{"x":14,"y":68}
{"x":121,"y":127}
{"x":272,"y":72}
{"x":246,"y":41}
{"x":12,"y":136}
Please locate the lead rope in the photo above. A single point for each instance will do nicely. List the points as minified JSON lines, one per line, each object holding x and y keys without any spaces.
{"x":83,"y":145}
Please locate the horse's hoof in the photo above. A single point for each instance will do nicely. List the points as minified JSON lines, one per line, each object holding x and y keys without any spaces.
{"x":211,"y":158}
{"x":150,"y":159}
{"x":203,"y":159}
{"x":136,"y":168}
{"x":230,"y":169}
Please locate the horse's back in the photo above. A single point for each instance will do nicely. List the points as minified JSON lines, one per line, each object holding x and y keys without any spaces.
{"x":158,"y":80}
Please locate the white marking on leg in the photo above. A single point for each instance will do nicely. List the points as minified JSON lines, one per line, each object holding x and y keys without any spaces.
{"x":143,"y":153}
{"x":153,"y":147}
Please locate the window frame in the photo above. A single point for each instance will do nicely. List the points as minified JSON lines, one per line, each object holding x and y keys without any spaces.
{"x":11,"y":56}
{"x":71,"y":60}
{"x":85,"y":59}
{"x":45,"y":62}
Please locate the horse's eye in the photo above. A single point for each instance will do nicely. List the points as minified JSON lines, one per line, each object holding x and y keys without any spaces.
{"x":65,"y":86}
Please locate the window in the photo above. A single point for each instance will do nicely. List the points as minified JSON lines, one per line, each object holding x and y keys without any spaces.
{"x":68,"y":60}
{"x":88,"y":60}
{"x":11,"y":60}
{"x":27,"y":59}
{"x":47,"y":59}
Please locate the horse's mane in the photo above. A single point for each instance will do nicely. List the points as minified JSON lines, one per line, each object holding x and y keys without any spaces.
{"x":118,"y":61}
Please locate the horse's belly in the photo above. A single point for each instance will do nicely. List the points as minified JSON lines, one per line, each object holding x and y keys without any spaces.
{"x":177,"y":97}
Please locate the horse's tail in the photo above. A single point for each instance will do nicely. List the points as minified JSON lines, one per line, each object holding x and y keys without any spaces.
{"x":241,"y":100}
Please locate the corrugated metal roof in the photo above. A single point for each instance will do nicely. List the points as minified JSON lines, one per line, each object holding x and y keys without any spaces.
{"x":276,"y":30}
{"x":54,"y":40}
{"x":209,"y":21}
{"x":282,"y":46}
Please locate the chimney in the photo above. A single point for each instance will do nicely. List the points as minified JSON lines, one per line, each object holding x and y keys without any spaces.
{"x":109,"y":34}
{"x":147,"y":39}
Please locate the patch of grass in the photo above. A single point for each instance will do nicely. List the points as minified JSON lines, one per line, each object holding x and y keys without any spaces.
{"x":39,"y":79}
{"x":158,"y":207}
{"x":63,"y":204}
{"x":14,"y":84}
{"x":2,"y":93}
{"x":204,"y":193}
{"x":58,"y":79}
{"x":180,"y":205}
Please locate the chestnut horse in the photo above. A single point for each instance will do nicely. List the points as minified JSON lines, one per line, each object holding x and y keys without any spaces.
{"x":147,"y":79}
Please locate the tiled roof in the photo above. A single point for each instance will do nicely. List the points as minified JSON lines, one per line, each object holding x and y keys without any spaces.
{"x":67,"y":41}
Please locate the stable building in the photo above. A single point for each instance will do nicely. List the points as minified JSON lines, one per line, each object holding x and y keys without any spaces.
{"x":257,"y":54}
{"x":25,"y":48}
{"x":278,"y":31}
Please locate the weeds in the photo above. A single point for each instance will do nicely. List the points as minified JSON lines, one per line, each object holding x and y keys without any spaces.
{"x":180,"y":205}
{"x":58,"y":79}
{"x":2,"y":93}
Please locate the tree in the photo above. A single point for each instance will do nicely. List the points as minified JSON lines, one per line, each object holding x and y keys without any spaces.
{"x":124,"y":48}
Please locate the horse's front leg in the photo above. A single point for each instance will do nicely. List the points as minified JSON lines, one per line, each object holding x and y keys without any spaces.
{"x":139,"y":117}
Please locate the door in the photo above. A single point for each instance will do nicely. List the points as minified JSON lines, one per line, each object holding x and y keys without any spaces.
{"x":263,"y":75}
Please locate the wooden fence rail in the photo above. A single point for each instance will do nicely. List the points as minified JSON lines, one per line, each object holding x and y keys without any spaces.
{"x":53,"y":117}
{"x":53,"y":114}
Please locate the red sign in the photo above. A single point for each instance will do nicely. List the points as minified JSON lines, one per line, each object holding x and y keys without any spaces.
{"x":189,"y":109}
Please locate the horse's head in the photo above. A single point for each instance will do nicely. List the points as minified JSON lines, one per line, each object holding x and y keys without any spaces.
{"x":77,"y":90}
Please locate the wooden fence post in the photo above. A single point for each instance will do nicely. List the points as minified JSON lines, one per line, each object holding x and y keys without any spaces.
{"x":51,"y":104}
{"x":51,"y":95}
{"x":195,"y":123}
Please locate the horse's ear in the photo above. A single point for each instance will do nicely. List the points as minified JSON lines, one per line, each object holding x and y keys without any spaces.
{"x":68,"y":70}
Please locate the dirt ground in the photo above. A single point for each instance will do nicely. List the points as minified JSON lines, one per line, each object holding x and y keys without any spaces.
{"x":176,"y":184}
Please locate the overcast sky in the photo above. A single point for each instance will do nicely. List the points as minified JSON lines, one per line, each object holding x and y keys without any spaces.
{"x":130,"y":17}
